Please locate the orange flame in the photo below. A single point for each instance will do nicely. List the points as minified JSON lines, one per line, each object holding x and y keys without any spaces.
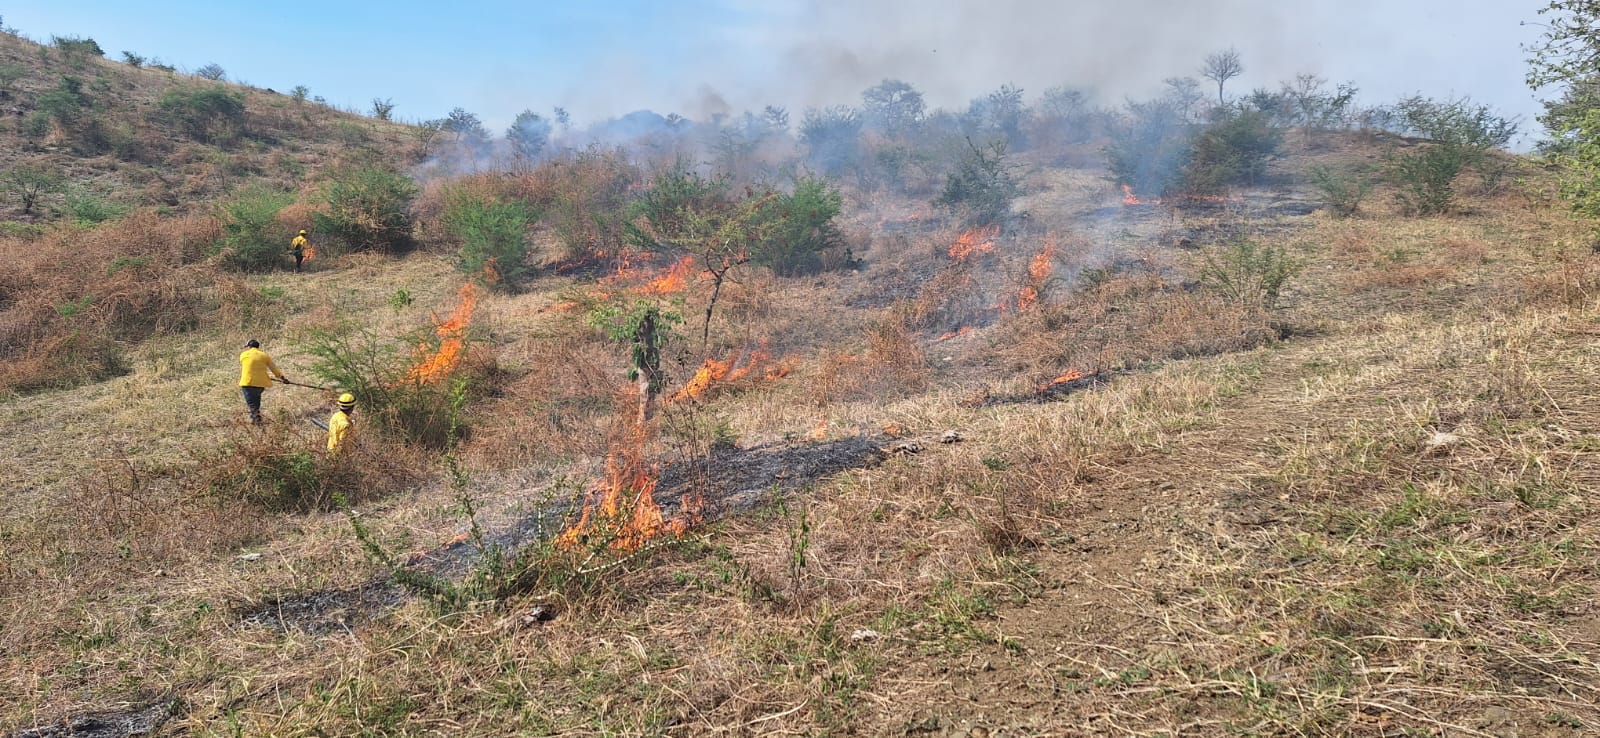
{"x":729,"y":371}
{"x":962,"y":331}
{"x":452,"y":338}
{"x":974,"y":241}
{"x":672,"y":281}
{"x":1067,"y":376}
{"x":623,"y":504}
{"x":310,"y":252}
{"x":1128,"y":198}
{"x":818,"y":433}
{"x":1038,"y":271}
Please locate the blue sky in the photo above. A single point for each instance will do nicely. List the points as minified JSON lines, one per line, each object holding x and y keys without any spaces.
{"x":695,"y":57}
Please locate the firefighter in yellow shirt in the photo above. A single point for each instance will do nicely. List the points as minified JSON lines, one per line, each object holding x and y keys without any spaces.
{"x":298,"y":248}
{"x":256,"y":372}
{"x":339,"y":423}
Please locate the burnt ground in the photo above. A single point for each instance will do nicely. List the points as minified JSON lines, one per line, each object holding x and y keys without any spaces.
{"x":132,"y":721}
{"x":730,"y":480}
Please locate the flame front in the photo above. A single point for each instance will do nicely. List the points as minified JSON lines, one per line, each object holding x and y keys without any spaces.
{"x":728,"y":371}
{"x":1038,"y":271}
{"x":452,"y":335}
{"x":1128,"y":198}
{"x":623,"y":505}
{"x":672,"y":281}
{"x":1067,"y":376}
{"x":962,"y":331}
{"x":979,"y":240}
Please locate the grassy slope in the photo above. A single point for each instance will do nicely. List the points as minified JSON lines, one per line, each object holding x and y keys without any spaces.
{"x":1262,"y":542}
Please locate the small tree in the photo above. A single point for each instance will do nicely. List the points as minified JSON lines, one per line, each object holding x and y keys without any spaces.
{"x":1426,"y":177}
{"x":213,"y":72}
{"x":981,"y":188}
{"x":382,"y":108}
{"x":1233,"y":151}
{"x":893,"y":106}
{"x":528,"y":135}
{"x":803,"y":229}
{"x":494,"y":239}
{"x":1221,"y":67}
{"x":30,"y":183}
{"x":132,"y":59}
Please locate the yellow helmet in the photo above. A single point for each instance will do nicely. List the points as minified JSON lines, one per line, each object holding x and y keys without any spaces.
{"x":347,"y":400}
{"x":302,"y":231}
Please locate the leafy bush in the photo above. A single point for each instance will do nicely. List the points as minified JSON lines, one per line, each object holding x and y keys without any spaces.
{"x":804,"y":229}
{"x":982,"y":186}
{"x":1426,"y":177}
{"x":1233,"y":151}
{"x":1151,"y":147}
{"x":377,"y":371}
{"x":133,"y":60}
{"x":31,"y":183}
{"x":1341,"y":192}
{"x":206,"y":114}
{"x":74,"y":46}
{"x":87,"y":207}
{"x":382,"y":108}
{"x":494,"y":239}
{"x":1247,"y":273}
{"x":66,"y":103}
{"x":369,"y":209}
{"x":253,"y":240}
{"x":667,"y":206}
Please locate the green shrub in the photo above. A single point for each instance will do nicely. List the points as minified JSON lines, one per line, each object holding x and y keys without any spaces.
{"x":982,"y":186}
{"x":133,"y":60}
{"x":1150,"y":148}
{"x":208,"y":114}
{"x":65,"y":103}
{"x":1341,"y":192}
{"x":377,"y":371}
{"x":804,"y":229}
{"x":1234,"y":151}
{"x":1425,"y":177}
{"x":73,"y":46}
{"x":1245,"y":272}
{"x":369,"y":209}
{"x":494,"y":239}
{"x":36,"y":125}
{"x":31,"y":184}
{"x":669,"y":204}
{"x":252,"y":238}
{"x":87,"y":207}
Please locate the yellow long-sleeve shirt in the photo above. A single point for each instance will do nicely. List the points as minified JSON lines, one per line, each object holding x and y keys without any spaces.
{"x":256,"y":369}
{"x":298,"y":244}
{"x":338,"y":428}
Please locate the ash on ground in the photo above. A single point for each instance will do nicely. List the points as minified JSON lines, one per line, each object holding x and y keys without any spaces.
{"x":133,"y":721}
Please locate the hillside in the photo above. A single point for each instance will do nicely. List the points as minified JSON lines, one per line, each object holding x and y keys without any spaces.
{"x":147,"y":137}
{"x":1225,"y":463}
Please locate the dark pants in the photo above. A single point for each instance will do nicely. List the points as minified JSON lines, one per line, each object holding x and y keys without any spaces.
{"x":252,"y":400}
{"x":298,"y":257}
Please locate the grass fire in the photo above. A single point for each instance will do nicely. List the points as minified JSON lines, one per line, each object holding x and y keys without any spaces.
{"x":1045,"y":369}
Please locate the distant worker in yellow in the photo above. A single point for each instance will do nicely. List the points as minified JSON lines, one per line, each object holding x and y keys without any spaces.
{"x":298,"y":248}
{"x":256,"y":372}
{"x":339,"y":423}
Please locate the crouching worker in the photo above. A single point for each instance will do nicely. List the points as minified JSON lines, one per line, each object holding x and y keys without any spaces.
{"x":339,"y":423}
{"x":256,"y":371}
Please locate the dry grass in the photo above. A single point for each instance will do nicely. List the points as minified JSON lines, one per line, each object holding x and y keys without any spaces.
{"x":1287,"y":548}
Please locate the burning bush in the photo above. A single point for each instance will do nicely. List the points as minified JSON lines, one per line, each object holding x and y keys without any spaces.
{"x":413,"y":385}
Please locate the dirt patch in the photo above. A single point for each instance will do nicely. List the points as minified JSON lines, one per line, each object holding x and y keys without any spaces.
{"x":133,"y":721}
